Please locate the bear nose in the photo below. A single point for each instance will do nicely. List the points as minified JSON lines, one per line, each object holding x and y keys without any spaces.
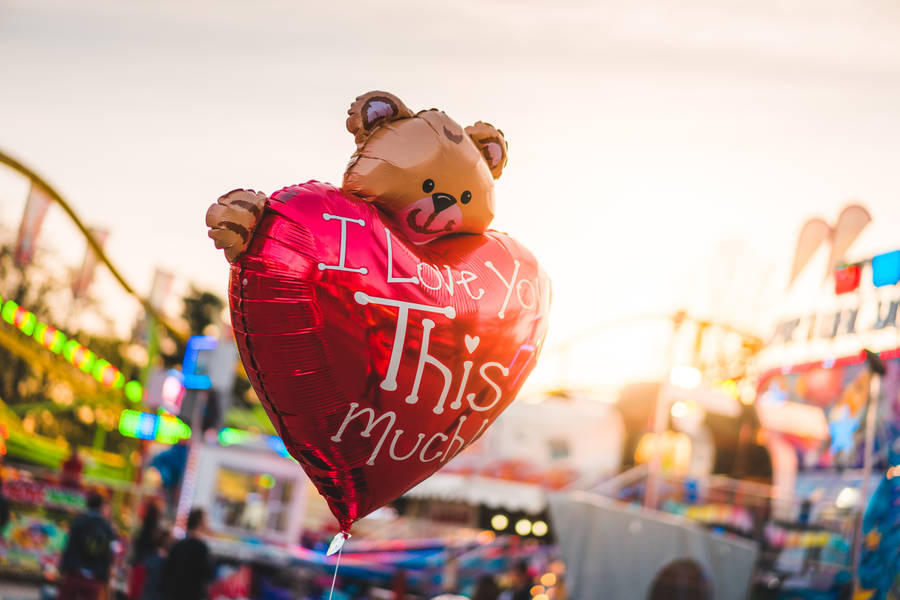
{"x":442,"y":201}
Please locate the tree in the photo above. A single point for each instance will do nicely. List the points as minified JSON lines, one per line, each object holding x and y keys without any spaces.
{"x":35,"y":289}
{"x":201,"y":309}
{"x":52,"y":396}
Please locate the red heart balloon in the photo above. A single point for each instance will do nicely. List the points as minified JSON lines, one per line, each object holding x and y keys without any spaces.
{"x":376,"y":359}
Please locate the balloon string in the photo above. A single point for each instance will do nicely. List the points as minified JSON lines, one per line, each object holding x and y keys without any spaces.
{"x":336,"y":565}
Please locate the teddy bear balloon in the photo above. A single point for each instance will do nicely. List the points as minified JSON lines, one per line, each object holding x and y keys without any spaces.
{"x":382,"y":325}
{"x":423,"y":170}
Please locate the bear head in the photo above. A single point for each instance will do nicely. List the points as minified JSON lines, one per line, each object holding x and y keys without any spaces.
{"x":431,"y":176}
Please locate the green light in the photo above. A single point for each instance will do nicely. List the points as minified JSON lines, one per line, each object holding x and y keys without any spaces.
{"x":171,"y":430}
{"x":85,"y":359}
{"x":107,"y":375}
{"x":148,"y":426}
{"x":9,"y":312}
{"x":50,"y":338}
{"x":25,"y":321}
{"x":133,"y":391}
{"x":119,"y":383}
{"x":99,"y":369}
{"x":228,"y":436}
{"x":266,"y":481}
{"x":128,"y":422}
{"x":79,"y":356}
{"x":18,"y":317}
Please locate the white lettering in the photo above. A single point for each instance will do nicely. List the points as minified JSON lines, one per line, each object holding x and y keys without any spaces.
{"x":449,"y":282}
{"x":509,"y":284}
{"x":497,"y":391}
{"x":341,"y":266}
{"x":456,"y":438}
{"x":437,"y":273}
{"x":479,"y":432}
{"x":390,"y":265}
{"x":397,"y":435}
{"x":428,"y":445}
{"x":467,"y":277}
{"x":467,"y":367}
{"x":367,"y":432}
{"x":390,"y":379}
{"x":524,"y":304}
{"x":424,"y":357}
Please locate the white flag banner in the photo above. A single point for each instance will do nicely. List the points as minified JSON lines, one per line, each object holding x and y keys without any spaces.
{"x":159,"y":291}
{"x":86,"y":274}
{"x":32,"y":218}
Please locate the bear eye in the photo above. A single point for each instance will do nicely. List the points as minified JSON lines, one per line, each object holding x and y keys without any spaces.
{"x":428,"y":186}
{"x":466,"y":197}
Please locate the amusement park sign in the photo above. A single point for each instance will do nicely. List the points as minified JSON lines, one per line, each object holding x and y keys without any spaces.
{"x":852,"y":322}
{"x":870,"y":315}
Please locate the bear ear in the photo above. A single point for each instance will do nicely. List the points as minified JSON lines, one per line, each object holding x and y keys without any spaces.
{"x":492,"y":144}
{"x":371,"y":110}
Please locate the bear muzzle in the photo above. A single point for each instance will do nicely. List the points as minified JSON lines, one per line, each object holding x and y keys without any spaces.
{"x":442,"y":201}
{"x":430,"y":217}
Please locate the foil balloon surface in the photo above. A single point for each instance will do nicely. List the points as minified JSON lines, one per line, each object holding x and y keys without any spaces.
{"x":381,"y":335}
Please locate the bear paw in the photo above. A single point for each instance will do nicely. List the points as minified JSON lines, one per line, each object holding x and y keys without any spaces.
{"x":232,"y":218}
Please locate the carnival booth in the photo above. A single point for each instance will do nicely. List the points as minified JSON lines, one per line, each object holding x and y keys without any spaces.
{"x":47,"y":481}
{"x":554,"y":441}
{"x":251,"y":488}
{"x":41,"y":511}
{"x":829,"y":400}
{"x":43,"y":503}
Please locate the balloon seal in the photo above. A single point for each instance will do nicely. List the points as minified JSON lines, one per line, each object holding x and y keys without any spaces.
{"x":337,"y":543}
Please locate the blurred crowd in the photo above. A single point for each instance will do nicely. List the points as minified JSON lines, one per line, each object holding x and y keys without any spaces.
{"x":160,"y":569}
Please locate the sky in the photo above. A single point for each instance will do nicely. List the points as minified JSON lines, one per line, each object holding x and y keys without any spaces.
{"x":662,"y":155}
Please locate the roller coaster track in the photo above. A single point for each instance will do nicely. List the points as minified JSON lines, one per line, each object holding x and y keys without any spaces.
{"x":41,"y":183}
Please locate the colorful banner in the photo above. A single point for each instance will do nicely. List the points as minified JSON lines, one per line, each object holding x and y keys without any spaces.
{"x":32,"y":218}
{"x":815,"y":232}
{"x":86,"y":275}
{"x":840,"y":392}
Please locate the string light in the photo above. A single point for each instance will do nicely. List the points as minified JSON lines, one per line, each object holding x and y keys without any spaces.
{"x":228,"y":436}
{"x":499,"y":522}
{"x":165,"y":429}
{"x":523,"y":527}
{"x":50,"y":338}
{"x":75,"y":354}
